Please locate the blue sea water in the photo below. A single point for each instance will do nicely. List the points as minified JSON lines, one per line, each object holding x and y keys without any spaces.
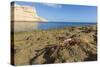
{"x":30,"y":26}
{"x":52,"y":25}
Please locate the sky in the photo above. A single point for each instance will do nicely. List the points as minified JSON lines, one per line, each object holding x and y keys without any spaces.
{"x":64,"y":12}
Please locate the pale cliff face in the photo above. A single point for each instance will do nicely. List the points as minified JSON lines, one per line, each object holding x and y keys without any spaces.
{"x":24,"y":18}
{"x":25,"y":13}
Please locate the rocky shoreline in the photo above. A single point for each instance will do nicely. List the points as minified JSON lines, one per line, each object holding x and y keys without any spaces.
{"x":33,"y":47}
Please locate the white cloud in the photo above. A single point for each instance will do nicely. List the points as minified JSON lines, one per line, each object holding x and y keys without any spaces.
{"x":53,"y":5}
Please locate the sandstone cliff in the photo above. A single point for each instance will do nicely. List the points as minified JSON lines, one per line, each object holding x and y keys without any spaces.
{"x":24,"y":18}
{"x":24,"y":13}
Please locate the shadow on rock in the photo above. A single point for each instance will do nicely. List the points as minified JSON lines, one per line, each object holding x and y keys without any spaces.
{"x":91,"y":57}
{"x":47,"y":53}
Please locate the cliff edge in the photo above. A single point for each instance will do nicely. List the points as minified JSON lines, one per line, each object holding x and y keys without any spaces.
{"x":24,"y":13}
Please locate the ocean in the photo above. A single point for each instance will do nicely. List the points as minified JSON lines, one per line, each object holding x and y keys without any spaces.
{"x":29,"y":26}
{"x":52,"y":25}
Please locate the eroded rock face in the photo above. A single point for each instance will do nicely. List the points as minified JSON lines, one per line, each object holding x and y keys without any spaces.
{"x":24,"y":13}
{"x":24,"y":18}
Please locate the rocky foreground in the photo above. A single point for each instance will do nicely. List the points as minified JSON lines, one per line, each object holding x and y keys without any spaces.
{"x":69,"y":44}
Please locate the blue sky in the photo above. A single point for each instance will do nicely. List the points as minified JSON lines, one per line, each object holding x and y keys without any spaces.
{"x":64,"y":13}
